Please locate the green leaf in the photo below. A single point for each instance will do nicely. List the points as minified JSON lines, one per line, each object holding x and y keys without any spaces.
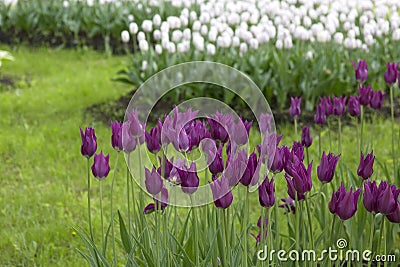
{"x":124,"y":234}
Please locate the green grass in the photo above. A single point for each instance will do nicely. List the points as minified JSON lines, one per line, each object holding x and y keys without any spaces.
{"x":42,"y":174}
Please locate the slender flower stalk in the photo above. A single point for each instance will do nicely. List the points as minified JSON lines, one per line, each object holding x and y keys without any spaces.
{"x":393,"y":134}
{"x":112,"y":212}
{"x":246,"y":221}
{"x":88,"y":200}
{"x":103,"y":245}
{"x":371,"y":235}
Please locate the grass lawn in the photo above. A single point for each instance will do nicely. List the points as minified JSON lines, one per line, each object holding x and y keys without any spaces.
{"x":42,"y":174}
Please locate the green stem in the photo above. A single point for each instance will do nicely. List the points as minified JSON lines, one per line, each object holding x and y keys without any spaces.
{"x":196,"y":237}
{"x":88,"y":200}
{"x":128,"y":188}
{"x":362,"y":128}
{"x":309,"y":222}
{"x":112,"y":212}
{"x":141,"y":200}
{"x":308,"y":157}
{"x":297,"y":230}
{"x":246,"y":222}
{"x":384,"y":241}
{"x":329,"y":133}
{"x":225,"y":233}
{"x":371,"y":236}
{"x":331,"y":238}
{"x":102,"y":219}
{"x":269,"y":243}
{"x":295,"y":126}
{"x":319,"y":140}
{"x":381,"y":235}
{"x":393,"y":137}
{"x":157,"y":231}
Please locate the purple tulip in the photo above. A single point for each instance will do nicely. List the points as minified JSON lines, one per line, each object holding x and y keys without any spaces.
{"x":327,"y":166}
{"x":236,"y":168}
{"x":391,"y":73}
{"x":288,"y":204}
{"x":306,"y":139}
{"x":217,"y":165}
{"x":265,"y":123}
{"x":266,"y":193}
{"x":343,"y":203}
{"x":365,"y":168}
{"x":101,"y":167}
{"x":290,"y":158}
{"x":394,"y":217}
{"x":129,"y":142}
{"x":326,"y":102}
{"x":371,"y":194}
{"x":361,"y":70}
{"x":167,"y":165}
{"x":386,"y":202}
{"x":153,"y":138}
{"x":164,"y":200}
{"x":153,"y":181}
{"x":183,"y":141}
{"x":250,"y":170}
{"x":197,"y":132}
{"x":175,"y":176}
{"x":221,"y":192}
{"x":320,"y":117}
{"x":278,"y":162}
{"x":116,"y":137}
{"x":376,"y":99}
{"x":298,"y":150}
{"x":302,"y":177}
{"x":364,"y":94}
{"x":291,"y":190}
{"x":268,"y":146}
{"x":339,"y":104}
{"x":219,"y":123}
{"x":295,"y":106}
{"x":136,"y":128}
{"x":189,"y":179}
{"x":353,"y":106}
{"x":89,"y":142}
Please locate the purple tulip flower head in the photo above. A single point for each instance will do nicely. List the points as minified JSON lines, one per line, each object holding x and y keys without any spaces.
{"x":266,"y":193}
{"x":343,"y":203}
{"x":298,"y":150}
{"x":326,"y":102}
{"x":153,"y":181}
{"x":295,"y":110}
{"x":366,"y":166}
{"x":339,"y":104}
{"x":278,"y":162}
{"x":236,"y":167}
{"x":221,"y":192}
{"x":250,"y":170}
{"x":353,"y":106}
{"x":291,"y":189}
{"x":101,"y":167}
{"x":165,"y":167}
{"x":320,"y":116}
{"x":391,"y":73}
{"x":219,"y":123}
{"x":326,"y":168}
{"x":197,"y":132}
{"x":361,"y":70}
{"x":376,"y":99}
{"x":189,"y":179}
{"x":371,"y":194}
{"x":129,"y":142}
{"x":306,"y":139}
{"x":394,"y":217}
{"x":302,"y":177}
{"x":364,"y":94}
{"x":388,"y":197}
{"x":89,"y":142}
{"x":153,"y":138}
{"x":164,"y":200}
{"x":265,"y":123}
{"x":116,"y":137}
{"x":217,"y":165}
{"x":136,"y":128}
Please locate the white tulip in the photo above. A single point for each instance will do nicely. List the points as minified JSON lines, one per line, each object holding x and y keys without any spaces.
{"x":196,"y":26}
{"x":174,"y":22}
{"x":287,"y":42}
{"x":181,"y":48}
{"x":158,"y":48}
{"x":198,"y":42}
{"x":157,"y":20}
{"x":125,"y":36}
{"x":131,"y":18}
{"x":211,"y":50}
{"x":204,"y":30}
{"x":143,"y":45}
{"x":157,"y":35}
{"x":235,"y":41}
{"x":144,"y":65}
{"x":338,"y":38}
{"x":164,"y":26}
{"x":309,"y":55}
{"x":193,"y":15}
{"x":279,"y":44}
{"x":65,"y":4}
{"x":177,"y":36}
{"x":187,"y":34}
{"x":212,"y":35}
{"x":141,"y":36}
{"x":253,"y":43}
{"x":147,"y":25}
{"x":243,"y":48}
{"x":133,"y":28}
{"x":171,"y":48}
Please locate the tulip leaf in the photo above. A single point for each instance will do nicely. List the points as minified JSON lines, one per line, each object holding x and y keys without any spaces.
{"x":124,"y":234}
{"x":210,"y":250}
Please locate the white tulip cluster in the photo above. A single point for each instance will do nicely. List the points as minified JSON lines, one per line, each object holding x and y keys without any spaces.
{"x":248,"y":25}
